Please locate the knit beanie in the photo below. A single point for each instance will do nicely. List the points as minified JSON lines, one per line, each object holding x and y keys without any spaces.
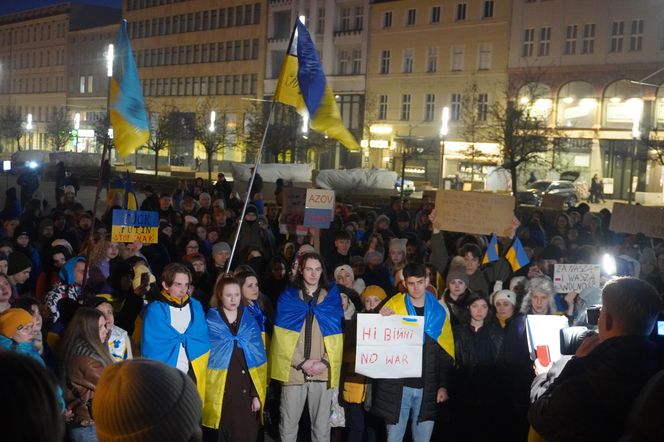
{"x":508,"y":295}
{"x":141,"y":400}
{"x":398,"y":244}
{"x":17,"y":263}
{"x":12,"y":320}
{"x":341,"y":268}
{"x":457,"y":273}
{"x":374,"y":290}
{"x":221,"y":247}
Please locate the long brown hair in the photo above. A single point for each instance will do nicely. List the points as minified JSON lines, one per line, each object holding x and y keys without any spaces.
{"x":83,"y":331}
{"x":223,"y":280}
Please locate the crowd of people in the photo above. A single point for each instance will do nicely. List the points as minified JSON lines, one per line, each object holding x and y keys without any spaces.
{"x":178,"y":341}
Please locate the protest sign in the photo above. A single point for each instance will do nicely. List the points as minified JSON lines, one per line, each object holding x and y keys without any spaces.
{"x":634,"y":219}
{"x":575,"y":277}
{"x":474,"y":212}
{"x":292,"y":213}
{"x":389,"y":347}
{"x":319,"y":208}
{"x":135,"y":225}
{"x":555,"y":202}
{"x":543,"y":331}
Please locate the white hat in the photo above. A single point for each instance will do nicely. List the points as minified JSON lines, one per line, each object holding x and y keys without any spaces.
{"x":504,"y":294}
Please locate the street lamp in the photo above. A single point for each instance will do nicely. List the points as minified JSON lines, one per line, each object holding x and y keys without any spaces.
{"x":444,"y":130}
{"x":77,"y":125}
{"x":110,"y":53}
{"x":28,"y":127}
{"x":213,"y":117}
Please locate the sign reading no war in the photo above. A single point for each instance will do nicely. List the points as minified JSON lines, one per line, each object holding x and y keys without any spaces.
{"x":389,"y":347}
{"x":135,"y":225}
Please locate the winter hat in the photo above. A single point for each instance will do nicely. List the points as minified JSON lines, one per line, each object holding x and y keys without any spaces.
{"x":340,"y":268}
{"x":509,"y":295}
{"x":141,"y":400}
{"x":399,"y":244}
{"x":17,"y":263}
{"x":305,"y":248}
{"x":457,"y":273}
{"x":251,"y":209}
{"x":63,"y":243}
{"x":139,"y":270}
{"x":13,"y":320}
{"x":188,"y":219}
{"x":374,"y":290}
{"x":221,"y":247}
{"x":371,"y":254}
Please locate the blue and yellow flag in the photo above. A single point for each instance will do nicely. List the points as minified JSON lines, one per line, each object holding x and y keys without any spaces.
{"x":436,"y":320}
{"x":222,"y":343}
{"x":516,"y":256}
{"x":291,"y":314}
{"x":302,"y":84}
{"x":129,"y":201}
{"x":131,"y":129}
{"x":491,"y":254}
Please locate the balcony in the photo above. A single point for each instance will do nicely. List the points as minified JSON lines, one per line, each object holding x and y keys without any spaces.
{"x":347,"y":32}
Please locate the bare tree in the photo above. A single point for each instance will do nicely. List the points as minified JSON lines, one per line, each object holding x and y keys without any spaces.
{"x":162,"y":131}
{"x":654,"y":142}
{"x":214,"y":137}
{"x":473,"y":118}
{"x":11,"y":126}
{"x":281,"y":132}
{"x":58,"y":130}
{"x":102,"y":135}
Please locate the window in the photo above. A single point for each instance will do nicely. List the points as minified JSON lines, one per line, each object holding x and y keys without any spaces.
{"x":617,"y":35}
{"x":461,"y":11}
{"x":411,"y":17}
{"x":320,"y":23}
{"x":570,"y":40}
{"x":487,"y":11}
{"x":82,"y":84}
{"x":359,"y":17}
{"x":455,"y":107}
{"x":528,"y":42}
{"x":588,"y":38}
{"x":90,"y":84}
{"x":405,"y":107}
{"x":482,"y":106}
{"x":357,"y":62}
{"x":345,"y":19}
{"x":387,"y":19}
{"x":457,"y":58}
{"x":429,"y":107}
{"x":545,"y":41}
{"x":407,"y":60}
{"x":432,"y":59}
{"x":484,"y":57}
{"x":385,"y":62}
{"x":342,"y":67}
{"x":435,"y":14}
{"x":382,"y":107}
{"x":636,"y":35}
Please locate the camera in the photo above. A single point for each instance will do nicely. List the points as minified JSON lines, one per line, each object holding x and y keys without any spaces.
{"x":592,"y":314}
{"x":572,"y":337}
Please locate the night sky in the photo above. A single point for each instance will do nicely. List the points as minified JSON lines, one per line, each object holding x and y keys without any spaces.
{"x":8,"y":6}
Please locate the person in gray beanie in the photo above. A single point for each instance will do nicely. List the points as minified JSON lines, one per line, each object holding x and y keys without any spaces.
{"x":142,"y":400}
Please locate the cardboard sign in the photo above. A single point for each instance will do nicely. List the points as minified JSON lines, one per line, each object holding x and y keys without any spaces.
{"x":319,"y":208}
{"x":292,"y":214}
{"x":474,"y":212}
{"x":575,"y":277}
{"x":389,"y":347}
{"x":135,"y":225}
{"x":634,"y":219}
{"x":555,"y":202}
{"x":544,"y":331}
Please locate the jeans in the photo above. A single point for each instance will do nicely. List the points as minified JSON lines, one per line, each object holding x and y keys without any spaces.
{"x":83,"y":434}
{"x":411,"y":401}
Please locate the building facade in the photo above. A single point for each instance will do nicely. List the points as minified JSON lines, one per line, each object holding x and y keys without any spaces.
{"x":423,"y":56}
{"x":597,"y":67}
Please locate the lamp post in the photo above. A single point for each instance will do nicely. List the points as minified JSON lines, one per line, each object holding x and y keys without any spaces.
{"x":77,"y":125}
{"x":444,"y":130}
{"x":28,"y":127}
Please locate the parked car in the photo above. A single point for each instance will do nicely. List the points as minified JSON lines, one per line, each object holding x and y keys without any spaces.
{"x":536,"y":191}
{"x":408,"y":186}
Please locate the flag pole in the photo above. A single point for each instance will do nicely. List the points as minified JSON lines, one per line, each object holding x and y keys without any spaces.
{"x":256,"y":163}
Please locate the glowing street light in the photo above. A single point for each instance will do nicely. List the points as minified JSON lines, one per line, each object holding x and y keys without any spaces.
{"x":444,"y":130}
{"x":110,"y":53}
{"x":213,"y":117}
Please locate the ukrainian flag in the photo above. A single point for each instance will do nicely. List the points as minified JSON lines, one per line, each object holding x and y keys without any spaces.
{"x":222,"y":342}
{"x":131,"y":129}
{"x":516,"y":256}
{"x":291,"y":314}
{"x":436,"y":320}
{"x":302,"y":84}
{"x":129,"y":201}
{"x":491,"y":254}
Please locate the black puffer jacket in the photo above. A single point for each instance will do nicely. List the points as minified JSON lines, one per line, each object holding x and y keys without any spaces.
{"x":591,"y":398}
{"x":387,"y":393}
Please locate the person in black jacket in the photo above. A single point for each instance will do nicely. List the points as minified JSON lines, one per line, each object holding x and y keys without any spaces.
{"x":591,"y":397}
{"x":396,"y":400}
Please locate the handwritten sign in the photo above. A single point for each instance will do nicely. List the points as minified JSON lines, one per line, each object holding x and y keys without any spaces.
{"x":638,"y":219}
{"x":389,"y":347}
{"x":293,"y":210}
{"x":319,"y":208}
{"x":544,"y":331}
{"x":575,"y":277}
{"x":135,"y":225}
{"x":474,"y":212}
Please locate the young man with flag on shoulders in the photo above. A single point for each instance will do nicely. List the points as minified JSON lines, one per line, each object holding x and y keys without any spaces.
{"x":395,"y":400}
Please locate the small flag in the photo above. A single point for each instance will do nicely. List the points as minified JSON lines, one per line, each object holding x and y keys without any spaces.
{"x":302,"y":84}
{"x":127,"y":108}
{"x":516,"y":256}
{"x":491,"y":254}
{"x":129,"y":201}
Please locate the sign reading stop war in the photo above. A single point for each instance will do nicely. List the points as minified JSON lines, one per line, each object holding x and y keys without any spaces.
{"x":474,"y":212}
{"x":389,"y":347}
{"x":638,"y":219}
{"x":575,"y":277}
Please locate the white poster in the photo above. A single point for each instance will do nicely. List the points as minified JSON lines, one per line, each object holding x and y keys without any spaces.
{"x":575,"y":277}
{"x":389,"y":347}
{"x":544,"y":331}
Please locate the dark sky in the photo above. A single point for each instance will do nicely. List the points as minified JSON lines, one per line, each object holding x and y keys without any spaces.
{"x":7,"y":6}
